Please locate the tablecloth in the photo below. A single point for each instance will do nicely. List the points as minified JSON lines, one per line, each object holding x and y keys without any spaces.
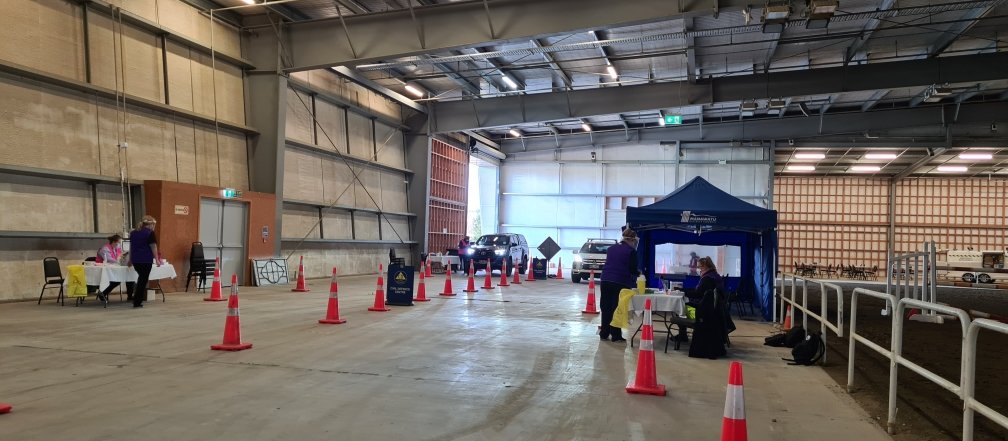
{"x":103,"y":275}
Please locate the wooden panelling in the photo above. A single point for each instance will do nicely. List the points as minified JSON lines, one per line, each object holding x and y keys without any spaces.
{"x":393,"y":197}
{"x":110,"y":209}
{"x":47,"y":35}
{"x":395,"y":228}
{"x":349,"y":259}
{"x":147,"y":9}
{"x":230,"y":94}
{"x":368,"y":191}
{"x":955,"y":213}
{"x":151,"y":151}
{"x":207,"y":161}
{"x":449,"y":179}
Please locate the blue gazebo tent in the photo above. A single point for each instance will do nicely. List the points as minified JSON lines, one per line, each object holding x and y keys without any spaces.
{"x":700,"y":213}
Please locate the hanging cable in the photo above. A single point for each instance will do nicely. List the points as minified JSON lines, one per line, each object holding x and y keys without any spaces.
{"x":125,"y":127}
{"x":213,"y":78}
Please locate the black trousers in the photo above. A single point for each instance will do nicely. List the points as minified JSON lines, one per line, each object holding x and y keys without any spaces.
{"x":113,"y":285}
{"x":608,"y":302}
{"x":140,"y":290}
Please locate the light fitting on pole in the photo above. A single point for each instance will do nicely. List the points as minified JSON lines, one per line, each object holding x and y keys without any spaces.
{"x":820,"y":12}
{"x":775,"y":17}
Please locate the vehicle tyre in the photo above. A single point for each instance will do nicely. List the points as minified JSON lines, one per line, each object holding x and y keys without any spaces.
{"x":524,"y":265}
{"x":510,"y":266}
{"x":984,"y":278}
{"x":575,"y":277}
{"x":968,"y":278}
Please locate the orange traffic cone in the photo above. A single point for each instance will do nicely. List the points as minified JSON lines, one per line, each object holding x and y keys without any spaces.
{"x":646,"y":381}
{"x":421,"y":295}
{"x":448,"y":291}
{"x":428,"y":274}
{"x":232,"y":325}
{"x":4,"y":407}
{"x":516,"y":280}
{"x":379,"y":295}
{"x":560,"y":269}
{"x":503,"y":279}
{"x":590,"y":307}
{"x":787,"y":319}
{"x":332,"y":313}
{"x":471,"y":284}
{"x":215,"y":289}
{"x":733,"y":426}
{"x":531,"y":272}
{"x":300,"y":280}
{"x":488,"y":278}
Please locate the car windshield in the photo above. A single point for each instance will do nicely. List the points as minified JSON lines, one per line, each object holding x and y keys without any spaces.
{"x":494,"y":240}
{"x":596,"y":247}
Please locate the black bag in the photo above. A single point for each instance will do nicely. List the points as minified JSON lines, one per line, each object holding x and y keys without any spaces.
{"x":776,"y":340}
{"x":794,"y":336}
{"x":808,"y":352}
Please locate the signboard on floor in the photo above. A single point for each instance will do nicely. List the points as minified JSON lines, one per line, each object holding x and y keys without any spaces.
{"x":399,"y":290}
{"x":539,"y":268}
{"x":269,"y":271}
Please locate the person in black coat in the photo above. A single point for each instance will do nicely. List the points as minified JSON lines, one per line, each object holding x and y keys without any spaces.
{"x":710,"y":331}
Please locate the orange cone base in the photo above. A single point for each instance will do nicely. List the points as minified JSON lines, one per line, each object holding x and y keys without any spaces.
{"x":332,"y":322}
{"x":486,"y":287}
{"x":733,"y":430}
{"x":231,"y":347}
{"x":421,"y":300}
{"x":300,"y":290}
{"x":447,"y":294}
{"x":378,"y":309}
{"x":590,"y":311}
{"x":4,"y":407}
{"x":656,"y":390}
{"x":212,"y":299}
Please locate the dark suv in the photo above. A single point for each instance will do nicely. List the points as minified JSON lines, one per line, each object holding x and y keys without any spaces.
{"x":496,"y":248}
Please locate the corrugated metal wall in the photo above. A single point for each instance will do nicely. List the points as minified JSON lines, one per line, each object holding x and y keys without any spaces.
{"x":570,"y":198}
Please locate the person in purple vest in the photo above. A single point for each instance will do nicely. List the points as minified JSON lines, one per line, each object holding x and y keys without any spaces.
{"x":620,"y":272}
{"x":143,"y":255}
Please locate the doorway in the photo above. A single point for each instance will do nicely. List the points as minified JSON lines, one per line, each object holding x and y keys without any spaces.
{"x":223,"y":231}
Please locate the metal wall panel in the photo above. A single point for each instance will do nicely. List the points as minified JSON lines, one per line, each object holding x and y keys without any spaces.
{"x":527,"y":177}
{"x":361,"y":136}
{"x":338,"y":183}
{"x":395,"y":228}
{"x":331,"y":130}
{"x":581,"y":178}
{"x":336,"y":224}
{"x":365,"y":226}
{"x":299,"y":222}
{"x":368,"y":191}
{"x":634,"y":179}
{"x":390,"y":147}
{"x":302,"y":176}
{"x":299,"y":117}
{"x":393,"y":191}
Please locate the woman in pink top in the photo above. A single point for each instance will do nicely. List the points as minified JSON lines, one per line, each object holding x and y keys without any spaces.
{"x":110,"y":253}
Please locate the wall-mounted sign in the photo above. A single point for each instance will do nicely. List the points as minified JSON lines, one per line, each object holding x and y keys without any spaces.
{"x":230,"y":193}
{"x":182,"y":210}
{"x":265,"y":233}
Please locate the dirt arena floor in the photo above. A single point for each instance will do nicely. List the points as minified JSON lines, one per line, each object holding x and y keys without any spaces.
{"x":925,"y":411}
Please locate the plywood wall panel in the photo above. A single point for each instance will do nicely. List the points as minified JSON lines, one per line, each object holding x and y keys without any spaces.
{"x":44,"y":204}
{"x":300,"y":222}
{"x":147,"y":9}
{"x":109,"y":136}
{"x":230,"y":94}
{"x":207,"y":165}
{"x":151,"y":151}
{"x":299,"y":117}
{"x":47,"y":128}
{"x":187,"y":21}
{"x":44,"y":34}
{"x":365,"y":226}
{"x":331,"y":126}
{"x":180,"y":80}
{"x":103,"y":43}
{"x":370,"y":179}
{"x":361,"y":136}
{"x":338,"y":183}
{"x":202,"y":84}
{"x":302,"y":176}
{"x":143,"y":73}
{"x":395,"y":228}
{"x":185,"y":151}
{"x":389,"y":143}
{"x":393,"y":191}
{"x":336,"y":224}
{"x":110,"y":209}
{"x":234,"y":169}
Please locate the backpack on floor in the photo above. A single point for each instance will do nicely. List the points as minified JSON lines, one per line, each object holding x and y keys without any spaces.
{"x":808,"y":352}
{"x":776,"y":340}
{"x":794,"y":336}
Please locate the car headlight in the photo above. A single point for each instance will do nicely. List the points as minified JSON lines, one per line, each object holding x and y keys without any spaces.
{"x":470,"y":251}
{"x":499,"y":252}
{"x":577,"y":258}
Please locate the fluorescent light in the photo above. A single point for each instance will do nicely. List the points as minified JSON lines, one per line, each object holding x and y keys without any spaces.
{"x":612,"y":71}
{"x":976,"y":156}
{"x":250,"y":2}
{"x":586,"y":127}
{"x":414,"y":90}
{"x":661,"y":120}
{"x":801,"y":168}
{"x":515,"y":133}
{"x":952,"y":168}
{"x":507,"y":80}
{"x":877,"y":156}
{"x":865,"y":168}
{"x":815,"y":156}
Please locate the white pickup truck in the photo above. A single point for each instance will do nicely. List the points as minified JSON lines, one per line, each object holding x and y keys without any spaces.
{"x":591,"y":257}
{"x":970,"y":265}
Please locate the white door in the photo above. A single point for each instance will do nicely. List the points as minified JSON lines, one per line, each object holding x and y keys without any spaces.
{"x":223,"y":229}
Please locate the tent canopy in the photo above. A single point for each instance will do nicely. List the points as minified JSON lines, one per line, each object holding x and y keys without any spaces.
{"x":700,"y":213}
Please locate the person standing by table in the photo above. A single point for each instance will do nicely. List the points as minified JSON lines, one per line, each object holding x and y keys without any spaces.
{"x":110,"y":253}
{"x":710,"y":332}
{"x":463,"y":253}
{"x":143,"y":255}
{"x":620,"y":272}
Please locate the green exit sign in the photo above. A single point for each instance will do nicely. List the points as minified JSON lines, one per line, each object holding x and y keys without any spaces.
{"x":673,"y":119}
{"x":229,"y":193}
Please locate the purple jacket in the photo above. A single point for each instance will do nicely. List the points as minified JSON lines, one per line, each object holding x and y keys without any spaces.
{"x":621,"y":265}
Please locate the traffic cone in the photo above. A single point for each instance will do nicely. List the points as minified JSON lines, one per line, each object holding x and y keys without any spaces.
{"x":471,"y":284}
{"x":428,"y":269}
{"x":448,"y":291}
{"x":332,"y":313}
{"x":646,"y":381}
{"x":4,"y":407}
{"x":232,"y":325}
{"x":503,"y":279}
{"x":516,"y":279}
{"x":531,"y":272}
{"x":421,"y":295}
{"x":488,"y":278}
{"x":787,"y":319}
{"x":215,"y":289}
{"x":300,"y":280}
{"x":560,"y":269}
{"x":590,"y":307}
{"x":379,"y":295}
{"x":733,"y":426}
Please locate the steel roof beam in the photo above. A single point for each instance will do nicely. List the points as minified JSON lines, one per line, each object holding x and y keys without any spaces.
{"x":866,"y":32}
{"x":559,"y":71}
{"x":873,"y":100}
{"x":956,"y":30}
{"x":386,"y":35}
{"x":452,"y":116}
{"x":501,"y":85}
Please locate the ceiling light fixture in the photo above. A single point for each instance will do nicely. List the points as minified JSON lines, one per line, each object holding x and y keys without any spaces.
{"x":586,"y":127}
{"x":800,"y":168}
{"x":515,"y":133}
{"x":612,"y":72}
{"x":952,"y":168}
{"x":976,"y":156}
{"x":250,"y":2}
{"x":810,"y":155}
{"x":820,"y":12}
{"x":880,"y":156}
{"x":510,"y":83}
{"x":414,"y":90}
{"x":775,"y":17}
{"x":865,"y":168}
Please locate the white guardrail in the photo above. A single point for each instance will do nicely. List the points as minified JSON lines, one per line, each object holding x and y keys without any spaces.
{"x":965,"y":389}
{"x":822,"y":316}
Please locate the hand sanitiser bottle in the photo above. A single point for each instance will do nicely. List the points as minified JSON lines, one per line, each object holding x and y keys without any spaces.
{"x":641,"y":284}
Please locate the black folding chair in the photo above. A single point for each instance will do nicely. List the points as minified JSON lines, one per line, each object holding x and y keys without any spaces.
{"x":53,"y":278}
{"x":199,"y":266}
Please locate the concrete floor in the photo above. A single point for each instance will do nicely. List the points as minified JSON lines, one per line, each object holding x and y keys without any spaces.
{"x":517,"y":364}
